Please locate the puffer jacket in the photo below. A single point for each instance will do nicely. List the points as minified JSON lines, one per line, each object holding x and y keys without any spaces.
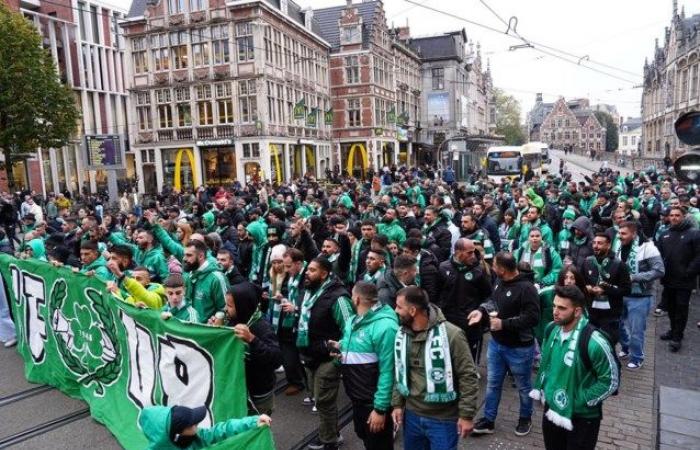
{"x":367,"y":351}
{"x":680,"y":249}
{"x":649,"y":267}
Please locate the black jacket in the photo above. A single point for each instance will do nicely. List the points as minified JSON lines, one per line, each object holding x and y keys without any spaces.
{"x":680,"y":249}
{"x":438,"y":240}
{"x":578,"y":253}
{"x":409,"y":222}
{"x":462,"y":290}
{"x":617,"y":285}
{"x":518,"y":305}
{"x":322,"y":325}
{"x":428,"y":271}
{"x":306,"y":245}
{"x":388,"y":286}
{"x":602,"y":216}
{"x":487,"y":223}
{"x":245,"y":256}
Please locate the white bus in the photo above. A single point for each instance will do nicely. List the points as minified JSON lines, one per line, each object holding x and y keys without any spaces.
{"x":544,"y":152}
{"x":512,"y":162}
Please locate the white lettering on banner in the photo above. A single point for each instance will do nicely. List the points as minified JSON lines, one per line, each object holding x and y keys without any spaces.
{"x":186,"y":375}
{"x":30,"y":292}
{"x":142,"y":361}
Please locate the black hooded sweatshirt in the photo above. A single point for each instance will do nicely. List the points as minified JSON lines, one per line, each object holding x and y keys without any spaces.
{"x":680,"y":249}
{"x":263,"y":355}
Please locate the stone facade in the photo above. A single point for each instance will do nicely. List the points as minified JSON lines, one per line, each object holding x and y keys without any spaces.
{"x":671,"y":85}
{"x":573,"y":125}
{"x":225,"y":92}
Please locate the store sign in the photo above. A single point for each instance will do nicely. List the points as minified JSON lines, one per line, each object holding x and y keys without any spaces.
{"x":402,"y":134}
{"x":104,"y":152}
{"x":214,"y":142}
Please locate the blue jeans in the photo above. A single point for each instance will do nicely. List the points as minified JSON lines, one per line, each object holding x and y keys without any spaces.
{"x":519,"y":360}
{"x":633,"y":325}
{"x":424,"y":433}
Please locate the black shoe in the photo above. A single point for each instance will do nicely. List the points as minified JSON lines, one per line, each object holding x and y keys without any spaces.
{"x":667,"y":336}
{"x":674,"y":346}
{"x":524,"y":426}
{"x":316,"y":444}
{"x":483,"y":426}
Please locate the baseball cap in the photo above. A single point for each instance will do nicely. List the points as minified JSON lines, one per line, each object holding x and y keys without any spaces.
{"x":182,"y":417}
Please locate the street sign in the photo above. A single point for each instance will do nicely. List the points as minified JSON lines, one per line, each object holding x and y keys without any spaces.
{"x":687,"y":166}
{"x":104,"y":152}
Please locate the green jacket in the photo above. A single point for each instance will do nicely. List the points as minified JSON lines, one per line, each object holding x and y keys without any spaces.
{"x":346,"y":201}
{"x":367,"y":349}
{"x":206,"y":287}
{"x":463,"y":368}
{"x":547,"y":235}
{"x":586,"y":204}
{"x":185,"y":312}
{"x":546,"y":311}
{"x":393,"y":231}
{"x":38,"y":248}
{"x":542,"y":277}
{"x":153,"y":259}
{"x":155,"y":423}
{"x":593,"y":386}
{"x":564,"y":238}
{"x":99,"y":266}
{"x":170,"y":245}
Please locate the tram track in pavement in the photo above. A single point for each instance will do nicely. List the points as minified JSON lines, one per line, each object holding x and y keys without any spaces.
{"x":21,"y":395}
{"x":44,"y":427}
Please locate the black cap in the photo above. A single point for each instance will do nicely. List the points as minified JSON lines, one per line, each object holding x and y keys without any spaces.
{"x":30,"y":216}
{"x":182,"y":417}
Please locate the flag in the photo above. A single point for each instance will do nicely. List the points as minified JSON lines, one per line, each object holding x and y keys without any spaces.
{"x":74,"y":335}
{"x":328,"y":119}
{"x":300,"y":109}
{"x":391,"y":115}
{"x":312,"y":118}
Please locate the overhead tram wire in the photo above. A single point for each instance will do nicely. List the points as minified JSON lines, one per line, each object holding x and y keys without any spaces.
{"x":495,"y":30}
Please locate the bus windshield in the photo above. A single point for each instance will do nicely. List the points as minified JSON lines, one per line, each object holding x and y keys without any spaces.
{"x":504,"y":163}
{"x":533,"y":161}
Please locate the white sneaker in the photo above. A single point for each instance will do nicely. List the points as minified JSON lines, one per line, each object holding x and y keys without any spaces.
{"x":314,"y":410}
{"x":622,"y":354}
{"x":11,"y":343}
{"x":280,"y":369}
{"x":633,"y":365}
{"x":308,"y":401}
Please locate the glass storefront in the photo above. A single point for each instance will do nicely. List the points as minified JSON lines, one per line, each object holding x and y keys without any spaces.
{"x":150,"y":183}
{"x":48,"y":176}
{"x":183,"y":179}
{"x":278,"y":173}
{"x":61,"y":169}
{"x":19,"y":175}
{"x":219,"y":165}
{"x":252,"y":171}
{"x":72,"y":169}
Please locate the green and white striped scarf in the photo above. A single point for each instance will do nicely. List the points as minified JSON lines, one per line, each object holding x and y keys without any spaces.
{"x":374,"y":278}
{"x":354,"y":260}
{"x":293,"y":296}
{"x":438,"y":365}
{"x":417,"y":277}
{"x":275,"y":309}
{"x":631,"y":258}
{"x":536,"y":260}
{"x":306,"y":305}
{"x":602,"y":301}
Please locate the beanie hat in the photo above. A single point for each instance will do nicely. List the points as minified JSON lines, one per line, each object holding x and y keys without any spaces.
{"x":569,"y":214}
{"x":277,"y":252}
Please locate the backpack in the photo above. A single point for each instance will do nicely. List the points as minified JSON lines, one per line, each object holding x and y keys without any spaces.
{"x":583,"y":341}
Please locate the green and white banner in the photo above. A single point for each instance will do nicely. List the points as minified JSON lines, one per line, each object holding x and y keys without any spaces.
{"x":72,"y":334}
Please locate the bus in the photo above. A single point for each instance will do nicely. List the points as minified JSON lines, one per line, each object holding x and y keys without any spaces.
{"x":512,"y":162}
{"x":543,"y":149}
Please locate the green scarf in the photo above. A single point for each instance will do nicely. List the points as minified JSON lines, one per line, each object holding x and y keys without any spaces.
{"x":275,"y":310}
{"x":556,"y":381}
{"x":650,"y":205}
{"x":306,"y":305}
{"x":354,"y":260}
{"x":438,"y":365}
{"x":374,"y":279}
{"x":631,"y":258}
{"x":417,"y":277}
{"x":293,"y":296}
{"x":464,"y":270}
{"x":536,"y":260}
{"x":602,"y":301}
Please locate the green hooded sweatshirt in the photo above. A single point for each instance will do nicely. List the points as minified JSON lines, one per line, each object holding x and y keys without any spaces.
{"x":99,"y":266}
{"x":153,"y":259}
{"x":38,"y":249}
{"x":367,"y":349}
{"x":393,"y":231}
{"x":155,"y":423}
{"x":206,"y":288}
{"x":209,"y":221}
{"x":534,"y":199}
{"x":185,"y":312}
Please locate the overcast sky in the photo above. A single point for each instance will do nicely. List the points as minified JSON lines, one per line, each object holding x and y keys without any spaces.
{"x":617,"y":33}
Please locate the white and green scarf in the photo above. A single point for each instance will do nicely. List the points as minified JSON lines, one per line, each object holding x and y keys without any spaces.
{"x":602,"y":301}
{"x":275,"y":309}
{"x":354,"y":260}
{"x":631,"y":258}
{"x":438,"y":365}
{"x":292,"y":296}
{"x":306,"y":305}
{"x":374,"y":278}
{"x":535,"y":259}
{"x":560,"y":378}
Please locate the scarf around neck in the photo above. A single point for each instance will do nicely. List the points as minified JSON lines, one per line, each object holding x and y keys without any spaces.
{"x":306,"y":305}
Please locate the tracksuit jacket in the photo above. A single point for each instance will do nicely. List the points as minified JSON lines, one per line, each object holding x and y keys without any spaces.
{"x":367,"y":350}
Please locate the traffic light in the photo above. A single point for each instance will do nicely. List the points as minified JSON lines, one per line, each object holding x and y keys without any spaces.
{"x":687,"y":166}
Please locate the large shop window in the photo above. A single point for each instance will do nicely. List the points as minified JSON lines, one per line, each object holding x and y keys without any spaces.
{"x":170,"y":158}
{"x":219,"y":166}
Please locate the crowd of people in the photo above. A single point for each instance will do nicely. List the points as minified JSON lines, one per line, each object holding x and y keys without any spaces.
{"x":389,"y":285}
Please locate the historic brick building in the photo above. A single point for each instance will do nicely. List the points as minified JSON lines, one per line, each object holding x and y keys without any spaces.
{"x":224,"y":91}
{"x":573,"y":125}
{"x":374,"y":86}
{"x":671,"y":85}
{"x":82,"y":37}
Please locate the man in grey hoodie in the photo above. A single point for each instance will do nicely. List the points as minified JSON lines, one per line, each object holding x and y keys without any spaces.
{"x":581,"y":246}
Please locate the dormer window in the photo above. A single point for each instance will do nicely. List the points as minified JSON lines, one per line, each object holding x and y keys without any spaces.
{"x":351,"y":35}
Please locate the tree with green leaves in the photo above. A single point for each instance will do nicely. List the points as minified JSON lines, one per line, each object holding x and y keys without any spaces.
{"x":508,"y":118}
{"x":611,"y":130}
{"x":36,"y":109}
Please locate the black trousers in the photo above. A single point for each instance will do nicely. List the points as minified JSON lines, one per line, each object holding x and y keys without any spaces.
{"x":475,"y":338}
{"x":584,"y":436}
{"x":611,"y":327}
{"x":384,"y":440}
{"x":291,"y":362}
{"x":677,"y":301}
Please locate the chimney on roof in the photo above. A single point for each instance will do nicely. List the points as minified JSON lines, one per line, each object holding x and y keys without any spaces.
{"x":403,"y":33}
{"x":538,"y":97}
{"x":349,"y":2}
{"x":308,"y":18}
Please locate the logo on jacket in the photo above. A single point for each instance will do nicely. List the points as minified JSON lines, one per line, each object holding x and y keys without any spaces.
{"x":468,"y":276}
{"x":560,"y":398}
{"x":437,"y":375}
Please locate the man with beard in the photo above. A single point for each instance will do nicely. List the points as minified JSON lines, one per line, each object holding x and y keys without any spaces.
{"x":225,"y":260}
{"x":571,"y":390}
{"x":301,"y":239}
{"x":93,"y":262}
{"x":438,"y":238}
{"x":325,"y":309}
{"x":401,"y":275}
{"x":245,"y":249}
{"x":407,"y":218}
{"x":338,"y":252}
{"x":145,"y":252}
{"x":485,"y":222}
{"x":435,"y":389}
{"x":360,"y":249}
{"x":226,"y":231}
{"x":680,"y":250}
{"x":607,"y":282}
{"x":601,"y":213}
{"x":470,"y":230}
{"x":375,"y":267}
{"x":391,"y":227}
{"x":205,"y":285}
{"x":427,"y":276}
{"x":464,"y":286}
{"x":511,"y":314}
